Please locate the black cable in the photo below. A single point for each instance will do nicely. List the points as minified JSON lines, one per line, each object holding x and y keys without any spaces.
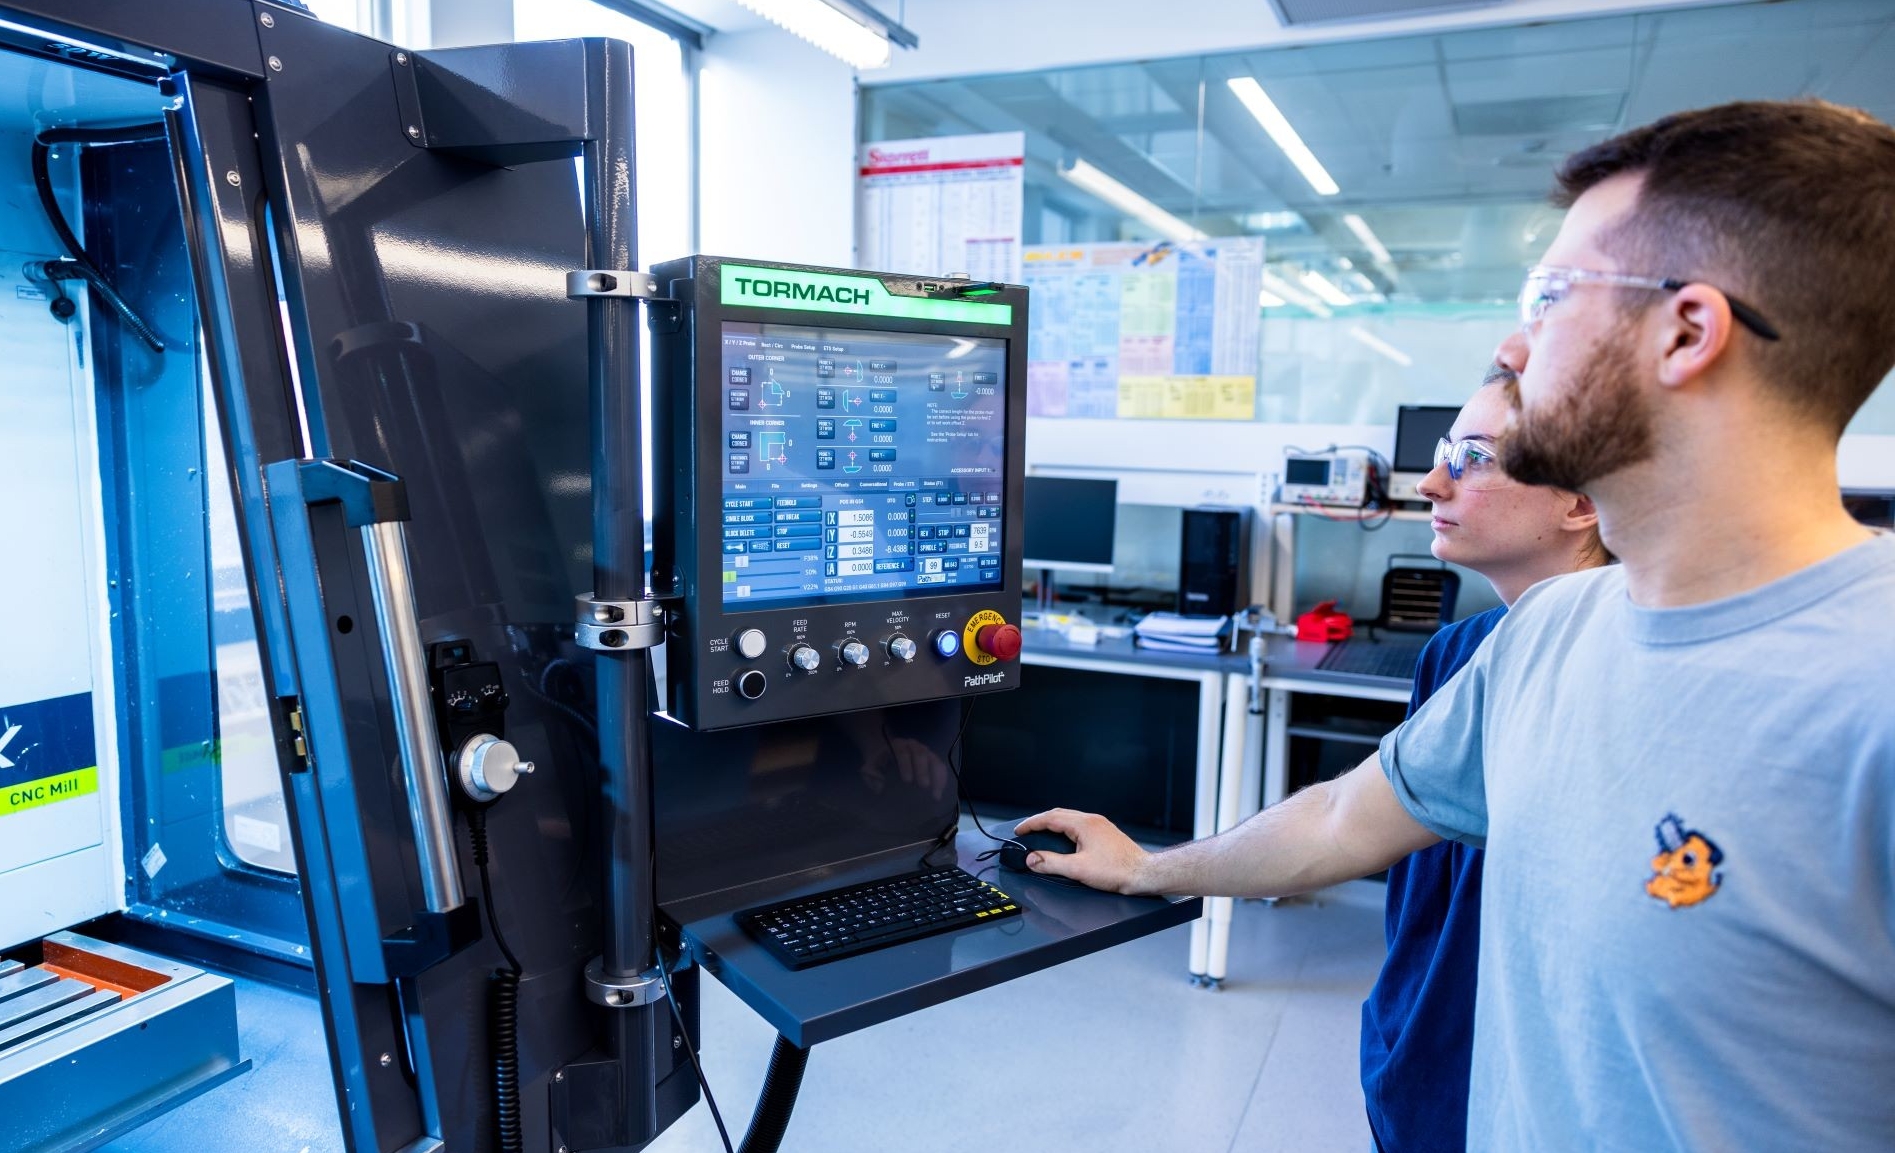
{"x":86,"y":268}
{"x":677,"y":1014}
{"x":777,"y":1102}
{"x":503,"y":1017}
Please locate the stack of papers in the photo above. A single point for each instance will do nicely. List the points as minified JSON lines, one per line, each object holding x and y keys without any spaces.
{"x":1171,"y":633}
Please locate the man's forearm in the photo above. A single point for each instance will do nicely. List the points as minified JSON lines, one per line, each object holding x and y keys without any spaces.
{"x":1329,"y":833}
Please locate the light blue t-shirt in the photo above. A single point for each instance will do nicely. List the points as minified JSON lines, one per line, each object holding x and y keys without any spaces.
{"x":1688,"y":923}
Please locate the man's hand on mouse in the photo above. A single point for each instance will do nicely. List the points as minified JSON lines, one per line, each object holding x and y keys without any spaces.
{"x":1104,"y":858}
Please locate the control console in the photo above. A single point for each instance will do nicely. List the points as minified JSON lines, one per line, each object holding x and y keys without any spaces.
{"x":838,"y":467}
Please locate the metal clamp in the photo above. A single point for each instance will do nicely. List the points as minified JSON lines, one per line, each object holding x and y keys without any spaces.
{"x":622,"y":992}
{"x":619,"y":626}
{"x":612,"y":282}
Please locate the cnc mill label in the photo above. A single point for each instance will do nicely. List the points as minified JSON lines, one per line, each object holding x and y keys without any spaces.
{"x":47,"y":753}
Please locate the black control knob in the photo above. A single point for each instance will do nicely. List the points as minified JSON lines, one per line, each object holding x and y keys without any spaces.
{"x":751,"y":683}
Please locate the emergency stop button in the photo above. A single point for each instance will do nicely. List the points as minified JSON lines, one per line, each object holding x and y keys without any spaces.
{"x":989,"y":638}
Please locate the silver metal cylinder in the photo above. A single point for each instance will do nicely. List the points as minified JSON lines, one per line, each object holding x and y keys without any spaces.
{"x":423,"y":771}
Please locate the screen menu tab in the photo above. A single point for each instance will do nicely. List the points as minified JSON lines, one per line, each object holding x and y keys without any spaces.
{"x":859,"y":465}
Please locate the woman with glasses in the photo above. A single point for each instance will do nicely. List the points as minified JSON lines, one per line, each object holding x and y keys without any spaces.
{"x":1418,"y":1022}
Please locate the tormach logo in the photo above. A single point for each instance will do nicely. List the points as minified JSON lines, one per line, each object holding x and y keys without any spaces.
{"x":983,"y":679}
{"x":783,"y":288}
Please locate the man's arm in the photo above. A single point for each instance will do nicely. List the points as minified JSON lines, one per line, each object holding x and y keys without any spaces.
{"x":1336,"y":831}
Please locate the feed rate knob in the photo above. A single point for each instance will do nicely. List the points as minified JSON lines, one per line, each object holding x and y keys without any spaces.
{"x":806,"y":658}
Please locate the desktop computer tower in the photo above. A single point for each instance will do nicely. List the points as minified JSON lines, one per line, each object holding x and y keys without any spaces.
{"x":1213,"y":555}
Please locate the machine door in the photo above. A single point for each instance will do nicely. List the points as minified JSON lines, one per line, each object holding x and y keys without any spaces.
{"x":418,"y":214}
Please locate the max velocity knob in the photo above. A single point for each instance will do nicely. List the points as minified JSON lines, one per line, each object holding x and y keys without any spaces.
{"x":806,"y":658}
{"x":901,"y":648}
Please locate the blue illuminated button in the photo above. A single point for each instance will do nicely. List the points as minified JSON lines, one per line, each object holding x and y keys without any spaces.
{"x":947,"y":643}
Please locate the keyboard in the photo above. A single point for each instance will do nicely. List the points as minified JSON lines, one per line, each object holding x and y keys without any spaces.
{"x":844,"y":922}
{"x":1395,"y":659}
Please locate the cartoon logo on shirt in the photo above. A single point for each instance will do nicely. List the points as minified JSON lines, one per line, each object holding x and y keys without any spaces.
{"x":1685,"y":870}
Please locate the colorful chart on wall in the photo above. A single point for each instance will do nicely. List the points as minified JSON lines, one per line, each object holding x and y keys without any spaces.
{"x":1143,"y":331}
{"x":943,"y":205}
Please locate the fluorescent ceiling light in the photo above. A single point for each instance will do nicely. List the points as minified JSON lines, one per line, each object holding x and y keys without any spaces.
{"x":1264,"y":109}
{"x":1276,"y":222}
{"x":1277,"y":286}
{"x":1325,"y":289}
{"x":1268,"y":299}
{"x":1368,"y":238}
{"x":1382,"y":346}
{"x":825,"y":26}
{"x":1125,"y":200}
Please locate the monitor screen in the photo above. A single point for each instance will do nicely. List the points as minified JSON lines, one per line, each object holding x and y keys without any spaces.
{"x":859,"y":465}
{"x":1069,"y":522}
{"x":1417,"y":428}
{"x":1306,"y":470}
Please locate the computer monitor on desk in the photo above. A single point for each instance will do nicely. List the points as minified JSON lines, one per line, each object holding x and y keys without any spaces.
{"x":1070,"y":523}
{"x":1417,"y":429}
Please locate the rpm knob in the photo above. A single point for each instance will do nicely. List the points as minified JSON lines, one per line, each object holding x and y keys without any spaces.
{"x":901,"y":648}
{"x":854,"y":653}
{"x":751,"y":643}
{"x":1002,"y":641}
{"x":806,"y":658}
{"x":751,"y":683}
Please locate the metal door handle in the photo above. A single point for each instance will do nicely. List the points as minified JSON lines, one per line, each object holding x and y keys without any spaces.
{"x":423,"y":771}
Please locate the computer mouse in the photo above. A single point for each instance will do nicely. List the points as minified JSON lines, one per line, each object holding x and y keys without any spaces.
{"x":1013,"y":853}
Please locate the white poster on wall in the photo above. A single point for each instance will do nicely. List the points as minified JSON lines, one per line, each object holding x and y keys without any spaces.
{"x":1145,"y":331}
{"x":942,"y":205}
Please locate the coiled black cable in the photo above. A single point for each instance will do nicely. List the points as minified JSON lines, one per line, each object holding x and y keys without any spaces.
{"x":85,"y":268}
{"x":778,"y":1099}
{"x":503,"y":1006}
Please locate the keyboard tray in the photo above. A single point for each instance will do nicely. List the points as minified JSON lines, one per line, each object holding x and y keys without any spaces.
{"x":1057,"y":923}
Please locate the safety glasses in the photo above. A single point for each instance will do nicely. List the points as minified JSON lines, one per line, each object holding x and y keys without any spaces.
{"x":1547,"y":285}
{"x":1471,"y":463}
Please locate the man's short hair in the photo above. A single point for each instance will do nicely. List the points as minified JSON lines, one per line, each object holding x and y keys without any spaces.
{"x":1789,"y":207}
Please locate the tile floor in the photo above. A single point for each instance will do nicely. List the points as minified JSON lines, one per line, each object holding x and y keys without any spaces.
{"x":1113,"y":1053}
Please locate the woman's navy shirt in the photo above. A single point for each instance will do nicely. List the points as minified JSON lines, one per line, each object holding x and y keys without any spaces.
{"x":1418,"y":1023}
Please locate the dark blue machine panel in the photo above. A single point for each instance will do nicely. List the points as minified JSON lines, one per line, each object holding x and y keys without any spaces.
{"x":837,"y":501}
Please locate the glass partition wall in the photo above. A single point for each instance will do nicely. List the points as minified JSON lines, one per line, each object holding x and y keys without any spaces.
{"x":1399,"y":185}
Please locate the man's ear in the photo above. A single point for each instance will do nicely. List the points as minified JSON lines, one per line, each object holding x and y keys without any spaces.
{"x":1694,"y":332}
{"x":1580,"y":514}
